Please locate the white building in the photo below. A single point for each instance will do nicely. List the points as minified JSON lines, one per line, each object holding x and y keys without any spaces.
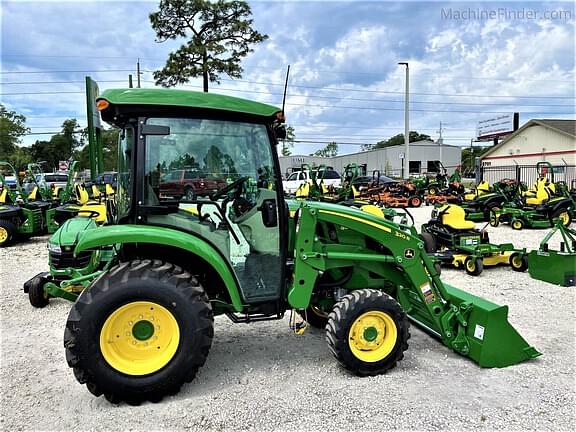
{"x":552,"y":141}
{"x":424,"y":157}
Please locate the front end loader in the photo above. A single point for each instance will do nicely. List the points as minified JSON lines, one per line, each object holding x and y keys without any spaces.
{"x":144,"y":327}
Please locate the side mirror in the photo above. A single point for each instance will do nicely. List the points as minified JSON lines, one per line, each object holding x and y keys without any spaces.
{"x":280,"y":131}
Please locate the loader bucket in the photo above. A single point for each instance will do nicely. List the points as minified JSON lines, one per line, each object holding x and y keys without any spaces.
{"x":492,"y":340}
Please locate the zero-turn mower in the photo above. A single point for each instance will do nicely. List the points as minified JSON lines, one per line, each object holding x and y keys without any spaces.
{"x":144,"y":327}
{"x":19,"y":217}
{"x":455,"y":241}
{"x":541,"y":210}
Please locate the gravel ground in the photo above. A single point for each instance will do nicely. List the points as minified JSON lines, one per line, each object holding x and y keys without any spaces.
{"x":262,"y":377}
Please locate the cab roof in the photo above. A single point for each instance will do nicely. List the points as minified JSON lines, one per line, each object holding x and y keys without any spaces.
{"x":187,"y":99}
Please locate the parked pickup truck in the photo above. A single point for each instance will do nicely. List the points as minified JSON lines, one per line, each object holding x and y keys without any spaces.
{"x":187,"y":184}
{"x":294,"y":180}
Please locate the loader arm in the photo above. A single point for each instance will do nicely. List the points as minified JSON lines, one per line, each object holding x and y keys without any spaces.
{"x":394,"y":259}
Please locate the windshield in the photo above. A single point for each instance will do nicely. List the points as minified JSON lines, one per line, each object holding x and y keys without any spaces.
{"x":201,"y":157}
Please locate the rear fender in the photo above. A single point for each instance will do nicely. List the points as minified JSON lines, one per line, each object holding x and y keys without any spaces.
{"x":121,"y":234}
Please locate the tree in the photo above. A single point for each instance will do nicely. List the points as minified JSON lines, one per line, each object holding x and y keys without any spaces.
{"x":288,"y":142}
{"x":330,"y":150}
{"x":12,"y":127}
{"x":469,"y":155}
{"x":220,"y":35}
{"x":413,"y":136}
{"x":109,"y":151}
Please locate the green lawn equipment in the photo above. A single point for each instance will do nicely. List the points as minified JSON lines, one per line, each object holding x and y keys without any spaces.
{"x":455,"y":241}
{"x":19,"y":217}
{"x":69,"y":274}
{"x":539,"y":211}
{"x":479,"y":204}
{"x":144,"y":327}
{"x":555,"y":266}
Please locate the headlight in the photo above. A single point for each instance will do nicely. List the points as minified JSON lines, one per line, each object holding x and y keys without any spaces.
{"x":54,"y":248}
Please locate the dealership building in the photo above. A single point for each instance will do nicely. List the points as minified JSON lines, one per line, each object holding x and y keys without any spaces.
{"x":424,"y":157}
{"x":546,"y":140}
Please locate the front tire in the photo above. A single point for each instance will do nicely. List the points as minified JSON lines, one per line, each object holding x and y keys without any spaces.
{"x":519,"y":262}
{"x":414,"y":201}
{"x":36,"y":294}
{"x":367,"y":332}
{"x":7,"y":232}
{"x":473,"y":266}
{"x":517,"y":224}
{"x":139,"y":332}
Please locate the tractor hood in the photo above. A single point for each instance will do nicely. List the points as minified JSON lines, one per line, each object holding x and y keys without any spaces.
{"x":67,"y":234}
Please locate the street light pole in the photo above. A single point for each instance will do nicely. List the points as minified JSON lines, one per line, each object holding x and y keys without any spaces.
{"x":406,"y":173}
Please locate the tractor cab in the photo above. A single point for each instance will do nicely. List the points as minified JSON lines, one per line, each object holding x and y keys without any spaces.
{"x":237,"y":205}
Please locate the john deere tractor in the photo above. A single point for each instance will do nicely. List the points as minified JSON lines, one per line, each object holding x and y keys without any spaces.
{"x":144,"y":327}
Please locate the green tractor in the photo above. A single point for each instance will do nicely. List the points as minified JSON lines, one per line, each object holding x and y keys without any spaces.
{"x":19,"y":217}
{"x":144,"y":326}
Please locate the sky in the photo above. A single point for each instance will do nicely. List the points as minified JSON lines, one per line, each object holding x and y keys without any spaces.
{"x":468,"y":61}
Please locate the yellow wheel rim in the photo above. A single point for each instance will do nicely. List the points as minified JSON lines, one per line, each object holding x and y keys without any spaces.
{"x":517,"y":224}
{"x":372,"y":336}
{"x":139,"y":338}
{"x":516,"y":261}
{"x":564,"y":217}
{"x":471,"y":265}
{"x":3,"y":235}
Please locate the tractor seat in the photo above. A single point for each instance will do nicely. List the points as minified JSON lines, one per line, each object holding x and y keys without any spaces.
{"x":303,"y":190}
{"x":82,"y":195}
{"x":373,"y":210}
{"x":542,"y":195}
{"x":96,"y":194}
{"x":98,"y":208}
{"x":32,"y":196}
{"x":3,"y":195}
{"x":453,"y":216}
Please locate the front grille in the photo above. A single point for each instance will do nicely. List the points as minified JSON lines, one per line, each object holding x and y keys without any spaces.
{"x":66,"y":259}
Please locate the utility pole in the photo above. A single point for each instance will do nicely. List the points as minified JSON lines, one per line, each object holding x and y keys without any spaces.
{"x":440,"y":142}
{"x":406,"y":123}
{"x":138,"y":72}
{"x":130,"y":85}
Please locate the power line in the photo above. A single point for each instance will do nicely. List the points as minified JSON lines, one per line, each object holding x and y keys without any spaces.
{"x":66,"y":71}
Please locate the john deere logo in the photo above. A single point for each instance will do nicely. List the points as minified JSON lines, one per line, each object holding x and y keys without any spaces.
{"x":409,"y":253}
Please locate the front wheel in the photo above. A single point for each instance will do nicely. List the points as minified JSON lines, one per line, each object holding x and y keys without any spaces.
{"x":139,"y":332}
{"x":433,"y":190}
{"x":414,"y":201}
{"x":494,"y":219}
{"x":473,"y":266}
{"x":189,"y":194}
{"x":367,"y":332}
{"x":36,"y":294}
{"x":517,"y":224}
{"x":518,"y":262}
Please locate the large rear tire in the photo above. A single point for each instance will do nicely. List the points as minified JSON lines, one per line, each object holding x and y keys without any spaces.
{"x":367,"y":332}
{"x":430,"y":245}
{"x":139,"y":332}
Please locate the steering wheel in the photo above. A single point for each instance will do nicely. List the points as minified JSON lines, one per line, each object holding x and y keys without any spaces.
{"x":231,"y":187}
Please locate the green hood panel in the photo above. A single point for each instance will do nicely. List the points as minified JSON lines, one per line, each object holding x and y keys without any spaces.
{"x":67,"y":234}
{"x":188,"y":99}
